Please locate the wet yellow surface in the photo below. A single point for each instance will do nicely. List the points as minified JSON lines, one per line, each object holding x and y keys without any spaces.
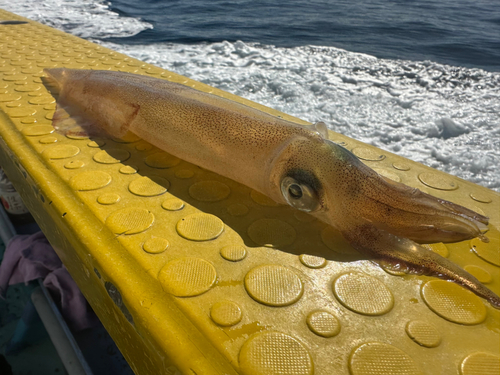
{"x":193,"y":273}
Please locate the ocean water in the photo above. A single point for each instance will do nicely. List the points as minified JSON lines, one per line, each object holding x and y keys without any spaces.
{"x":419,"y":78}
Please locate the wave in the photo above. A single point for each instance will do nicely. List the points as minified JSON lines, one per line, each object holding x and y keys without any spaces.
{"x":83,"y":18}
{"x":443,"y":116}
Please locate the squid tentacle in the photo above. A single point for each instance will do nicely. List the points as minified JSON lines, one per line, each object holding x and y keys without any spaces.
{"x":383,"y":245}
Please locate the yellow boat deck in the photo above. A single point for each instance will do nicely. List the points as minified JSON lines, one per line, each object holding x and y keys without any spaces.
{"x":193,"y":273}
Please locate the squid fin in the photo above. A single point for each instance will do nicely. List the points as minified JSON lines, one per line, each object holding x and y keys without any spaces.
{"x":67,"y":120}
{"x":77,"y":118}
{"x":322,"y":129}
{"x":74,"y":124}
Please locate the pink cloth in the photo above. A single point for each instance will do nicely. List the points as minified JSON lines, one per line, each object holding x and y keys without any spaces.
{"x":30,"y":257}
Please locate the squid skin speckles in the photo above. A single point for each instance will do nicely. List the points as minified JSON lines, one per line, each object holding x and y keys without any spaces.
{"x":290,"y":163}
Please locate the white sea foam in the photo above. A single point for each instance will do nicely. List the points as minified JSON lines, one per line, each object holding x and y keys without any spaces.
{"x":443,"y":116}
{"x":83,"y":18}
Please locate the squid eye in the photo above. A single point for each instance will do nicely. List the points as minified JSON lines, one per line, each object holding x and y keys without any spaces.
{"x":295,"y":191}
{"x":300,"y":196}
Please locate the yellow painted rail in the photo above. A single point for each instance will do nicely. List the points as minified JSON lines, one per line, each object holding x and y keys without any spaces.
{"x":193,"y":273}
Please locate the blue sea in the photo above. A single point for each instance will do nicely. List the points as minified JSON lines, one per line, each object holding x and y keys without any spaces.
{"x":463,"y":33}
{"x":419,"y":78}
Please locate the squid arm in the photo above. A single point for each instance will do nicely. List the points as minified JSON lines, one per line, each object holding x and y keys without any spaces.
{"x":290,"y":163}
{"x":404,"y":252}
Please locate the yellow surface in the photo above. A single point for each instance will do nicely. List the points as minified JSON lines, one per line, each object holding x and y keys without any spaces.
{"x":192,"y":273}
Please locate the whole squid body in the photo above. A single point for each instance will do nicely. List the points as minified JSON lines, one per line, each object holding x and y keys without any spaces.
{"x":290,"y":163}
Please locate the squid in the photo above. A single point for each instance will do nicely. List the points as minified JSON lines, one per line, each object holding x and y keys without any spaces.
{"x":290,"y":163}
